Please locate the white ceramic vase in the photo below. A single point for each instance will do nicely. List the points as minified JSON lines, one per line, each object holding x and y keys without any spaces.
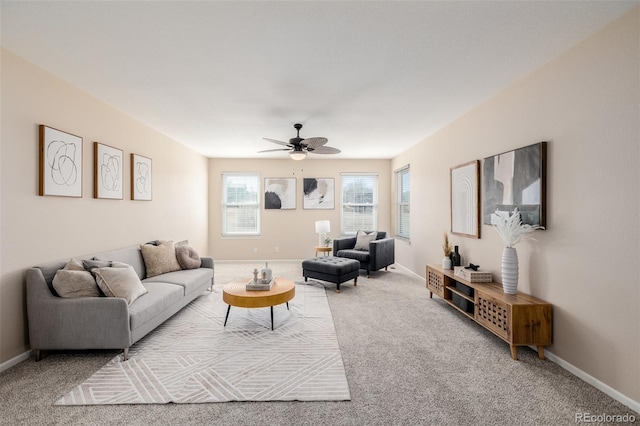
{"x":446,"y":263}
{"x":510,"y":270}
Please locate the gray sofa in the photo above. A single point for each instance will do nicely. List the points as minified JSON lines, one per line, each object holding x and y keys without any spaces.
{"x":57,"y":323}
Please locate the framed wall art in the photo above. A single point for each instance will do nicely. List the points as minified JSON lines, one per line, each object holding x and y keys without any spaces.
{"x":140,"y":178}
{"x":517,"y":178}
{"x":279,"y":193}
{"x":465,"y":199}
{"x":318,"y":193}
{"x":60,"y":163}
{"x":107,"y":171}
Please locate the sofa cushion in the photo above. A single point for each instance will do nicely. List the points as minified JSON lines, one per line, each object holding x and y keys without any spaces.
{"x":187,"y":257}
{"x":160,"y":296}
{"x":160,"y":259}
{"x":119,"y":282}
{"x":190,"y":280}
{"x":362,"y":256}
{"x":363,"y":239}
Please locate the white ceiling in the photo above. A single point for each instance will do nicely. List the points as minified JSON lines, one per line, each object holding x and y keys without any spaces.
{"x":373,"y":77}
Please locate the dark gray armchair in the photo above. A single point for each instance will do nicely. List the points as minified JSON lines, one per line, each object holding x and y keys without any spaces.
{"x":381,"y":252}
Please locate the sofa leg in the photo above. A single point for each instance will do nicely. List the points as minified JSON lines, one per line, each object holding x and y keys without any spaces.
{"x":38,"y":355}
{"x":125,"y":355}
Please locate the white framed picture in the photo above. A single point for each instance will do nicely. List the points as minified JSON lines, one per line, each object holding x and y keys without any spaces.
{"x":107,"y":172}
{"x":60,"y":163}
{"x":319,"y":193}
{"x":140,"y":178}
{"x":279,"y":193}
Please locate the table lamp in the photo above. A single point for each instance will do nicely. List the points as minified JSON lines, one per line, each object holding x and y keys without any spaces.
{"x":322,"y":227}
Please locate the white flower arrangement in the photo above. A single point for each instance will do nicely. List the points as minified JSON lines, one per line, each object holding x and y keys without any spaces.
{"x":510,"y":227}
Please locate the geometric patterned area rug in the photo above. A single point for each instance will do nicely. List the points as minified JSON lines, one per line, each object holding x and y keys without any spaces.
{"x":192,"y":358}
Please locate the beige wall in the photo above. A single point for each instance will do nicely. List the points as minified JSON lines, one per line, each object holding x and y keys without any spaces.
{"x":292,"y":231}
{"x":586,"y":104}
{"x":41,"y":229}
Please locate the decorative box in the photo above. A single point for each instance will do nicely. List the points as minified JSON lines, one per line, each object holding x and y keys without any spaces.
{"x":479,"y":276}
{"x":260,"y":285}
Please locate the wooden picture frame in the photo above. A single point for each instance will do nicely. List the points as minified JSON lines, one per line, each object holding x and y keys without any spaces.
{"x":517,"y":178}
{"x":141,"y":178}
{"x":280,"y":193}
{"x":465,"y":199}
{"x":318,"y":193}
{"x":60,"y":163}
{"x":107,"y":172}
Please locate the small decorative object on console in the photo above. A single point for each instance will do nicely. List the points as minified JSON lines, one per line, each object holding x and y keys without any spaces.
{"x":474,"y":276}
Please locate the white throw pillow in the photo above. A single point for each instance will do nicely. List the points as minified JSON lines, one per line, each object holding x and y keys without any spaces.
{"x":363,"y":239}
{"x":120,"y":282}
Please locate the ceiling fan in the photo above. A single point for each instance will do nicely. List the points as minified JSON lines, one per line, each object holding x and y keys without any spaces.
{"x":299,"y":147}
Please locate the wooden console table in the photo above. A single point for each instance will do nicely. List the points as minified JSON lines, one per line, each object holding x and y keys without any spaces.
{"x":518,"y":319}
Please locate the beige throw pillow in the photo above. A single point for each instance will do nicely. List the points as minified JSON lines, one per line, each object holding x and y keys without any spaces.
{"x":363,"y":239}
{"x":120,"y":282}
{"x":74,"y":283}
{"x":160,"y":259}
{"x":188,"y":258}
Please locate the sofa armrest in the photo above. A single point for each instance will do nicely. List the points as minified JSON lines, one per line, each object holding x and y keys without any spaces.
{"x":74,"y":323}
{"x":343,"y":243}
{"x":207,"y":262}
{"x":381,"y":253}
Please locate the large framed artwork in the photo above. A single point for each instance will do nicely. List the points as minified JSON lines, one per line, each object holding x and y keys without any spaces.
{"x":517,"y":178}
{"x":279,"y":193}
{"x":140,"y":178}
{"x":318,"y":193}
{"x":465,"y":199}
{"x":107,"y":171}
{"x":60,"y":163}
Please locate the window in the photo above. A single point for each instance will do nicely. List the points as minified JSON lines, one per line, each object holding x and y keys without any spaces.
{"x":403,"y":181}
{"x":240,"y":204}
{"x":359,"y":203}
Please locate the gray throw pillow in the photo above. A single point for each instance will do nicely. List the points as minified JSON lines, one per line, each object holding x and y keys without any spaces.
{"x":94,"y":263}
{"x":188,"y":258}
{"x":363,"y":239}
{"x":74,"y":283}
{"x":120,"y":282}
{"x":160,"y":259}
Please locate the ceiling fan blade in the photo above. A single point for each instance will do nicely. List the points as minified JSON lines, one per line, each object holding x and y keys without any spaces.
{"x":277,"y":149}
{"x":325,"y":150}
{"x":278,"y":142}
{"x":314,"y":142}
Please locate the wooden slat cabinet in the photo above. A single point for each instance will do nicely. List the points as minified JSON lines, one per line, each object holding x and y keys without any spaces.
{"x":518,"y":319}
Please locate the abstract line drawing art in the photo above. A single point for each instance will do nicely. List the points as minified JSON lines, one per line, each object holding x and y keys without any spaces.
{"x":140,"y":178}
{"x":60,"y":163}
{"x":279,"y":193}
{"x":318,"y":193}
{"x":465,"y":199}
{"x":107,"y":171}
{"x":517,"y":178}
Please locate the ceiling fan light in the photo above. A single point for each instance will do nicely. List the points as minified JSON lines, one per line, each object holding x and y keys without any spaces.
{"x":298,"y":155}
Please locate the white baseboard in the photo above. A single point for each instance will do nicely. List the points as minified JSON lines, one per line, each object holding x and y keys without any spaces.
{"x":621,"y":398}
{"x":407,"y":270}
{"x":15,"y":360}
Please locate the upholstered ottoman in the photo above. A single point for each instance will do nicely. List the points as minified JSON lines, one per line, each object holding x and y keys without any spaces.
{"x":333,"y":269}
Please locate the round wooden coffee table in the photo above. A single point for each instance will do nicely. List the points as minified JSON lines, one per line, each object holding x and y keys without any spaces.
{"x":236,"y":294}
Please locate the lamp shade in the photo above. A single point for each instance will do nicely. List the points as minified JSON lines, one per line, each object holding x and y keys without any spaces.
{"x":298,"y":155}
{"x":323,"y":226}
